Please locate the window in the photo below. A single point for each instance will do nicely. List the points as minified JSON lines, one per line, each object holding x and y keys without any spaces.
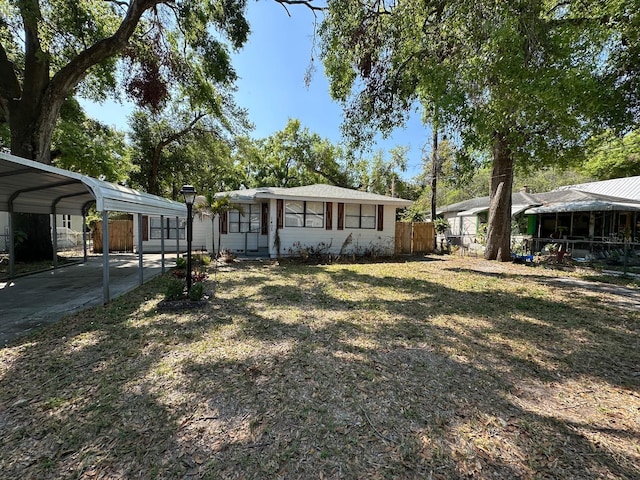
{"x":172,"y":228}
{"x":360,"y":216}
{"x":304,"y":214}
{"x":66,"y":221}
{"x":248,"y":221}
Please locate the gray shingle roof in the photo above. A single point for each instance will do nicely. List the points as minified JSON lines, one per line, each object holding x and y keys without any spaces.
{"x":318,"y":191}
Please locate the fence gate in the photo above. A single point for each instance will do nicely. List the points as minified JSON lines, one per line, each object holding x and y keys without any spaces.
{"x":120,"y":236}
{"x":417,"y":237}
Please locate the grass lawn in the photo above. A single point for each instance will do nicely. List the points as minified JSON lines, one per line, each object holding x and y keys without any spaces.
{"x":435,"y":368}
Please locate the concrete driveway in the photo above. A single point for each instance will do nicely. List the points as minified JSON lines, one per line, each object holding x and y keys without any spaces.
{"x":42,"y":298}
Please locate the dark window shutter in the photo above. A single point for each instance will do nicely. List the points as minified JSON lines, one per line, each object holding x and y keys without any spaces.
{"x":264,"y":227}
{"x":340,"y":216}
{"x":145,"y":228}
{"x":280,"y":213}
{"x":223,"y":222}
{"x":380,"y":218}
{"x":329,"y":215}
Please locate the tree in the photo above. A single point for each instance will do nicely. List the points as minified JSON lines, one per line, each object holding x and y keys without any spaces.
{"x":51,"y":50}
{"x":517,"y":79}
{"x":612,"y":156}
{"x":83,"y":145}
{"x":294,"y":156}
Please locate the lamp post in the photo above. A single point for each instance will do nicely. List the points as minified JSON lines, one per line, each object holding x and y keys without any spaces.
{"x":189,"y":194}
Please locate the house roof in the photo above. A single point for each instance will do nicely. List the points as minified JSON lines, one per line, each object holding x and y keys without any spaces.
{"x":628,"y":187}
{"x":319,"y":192}
{"x":519,"y":201}
{"x":32,"y":187}
{"x":580,"y":201}
{"x":565,"y":200}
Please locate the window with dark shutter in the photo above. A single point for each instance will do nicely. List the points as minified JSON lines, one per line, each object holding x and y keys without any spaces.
{"x":380,"y":218}
{"x":340,"y":216}
{"x":145,"y":228}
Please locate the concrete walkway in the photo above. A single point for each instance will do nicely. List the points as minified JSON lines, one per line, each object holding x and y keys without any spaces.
{"x":42,"y":298}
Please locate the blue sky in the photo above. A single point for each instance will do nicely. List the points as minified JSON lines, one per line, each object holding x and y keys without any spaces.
{"x":271,"y":69}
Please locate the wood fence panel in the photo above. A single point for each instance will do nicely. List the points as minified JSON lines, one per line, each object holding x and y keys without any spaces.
{"x":403,"y":238}
{"x":120,"y":236}
{"x":423,"y":235}
{"x":414,"y":237}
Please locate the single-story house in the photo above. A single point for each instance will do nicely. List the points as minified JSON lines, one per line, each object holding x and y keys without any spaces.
{"x":587,"y":217}
{"x":273,"y":222}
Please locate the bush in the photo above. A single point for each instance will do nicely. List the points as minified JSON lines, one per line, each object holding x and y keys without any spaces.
{"x":205,"y":260}
{"x":181,"y":262}
{"x":175,"y":290}
{"x":197,"y":292}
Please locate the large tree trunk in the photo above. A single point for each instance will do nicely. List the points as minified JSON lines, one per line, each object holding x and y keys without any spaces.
{"x":499,"y":228}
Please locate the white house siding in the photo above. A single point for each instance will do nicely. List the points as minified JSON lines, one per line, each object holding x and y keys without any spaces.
{"x":462,"y":229}
{"x":202,"y":238}
{"x":292,"y":239}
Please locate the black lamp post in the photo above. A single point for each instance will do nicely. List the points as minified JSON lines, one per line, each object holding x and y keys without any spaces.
{"x":189,"y":194}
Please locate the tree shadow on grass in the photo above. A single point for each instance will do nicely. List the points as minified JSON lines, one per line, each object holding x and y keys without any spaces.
{"x":295,"y":378}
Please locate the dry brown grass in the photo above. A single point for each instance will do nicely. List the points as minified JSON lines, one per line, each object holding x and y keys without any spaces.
{"x":440,"y":368}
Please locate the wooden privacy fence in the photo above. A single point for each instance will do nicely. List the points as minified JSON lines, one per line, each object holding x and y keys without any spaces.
{"x":120,"y":236}
{"x":416,"y":237}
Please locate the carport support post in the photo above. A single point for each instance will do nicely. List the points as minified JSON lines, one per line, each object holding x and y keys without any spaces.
{"x":84,"y":234}
{"x":105,"y":257}
{"x":140,"y":263}
{"x":162,"y":242}
{"x":177,"y":237}
{"x":12,"y":242}
{"x":54,"y":237}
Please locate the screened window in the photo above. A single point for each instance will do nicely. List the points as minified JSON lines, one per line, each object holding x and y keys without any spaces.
{"x":304,"y":214}
{"x":172,"y":228}
{"x":360,"y":216}
{"x":247,"y":221}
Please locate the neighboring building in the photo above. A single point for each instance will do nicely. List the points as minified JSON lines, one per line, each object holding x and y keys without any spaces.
{"x":276,"y":222}
{"x":69,"y":228}
{"x":587,"y":217}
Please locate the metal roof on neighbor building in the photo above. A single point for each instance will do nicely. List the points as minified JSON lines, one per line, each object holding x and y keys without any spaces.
{"x":580,"y":201}
{"x":33,"y":187}
{"x":319,"y":192}
{"x":628,"y":187}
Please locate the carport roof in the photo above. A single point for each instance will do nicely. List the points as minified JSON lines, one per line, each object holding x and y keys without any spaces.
{"x":34,"y":187}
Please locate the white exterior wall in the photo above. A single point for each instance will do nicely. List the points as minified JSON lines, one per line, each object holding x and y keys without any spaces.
{"x":202,"y":238}
{"x":462,"y":227}
{"x":362,"y":240}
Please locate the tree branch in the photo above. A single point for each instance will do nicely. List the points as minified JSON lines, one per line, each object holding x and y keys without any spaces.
{"x":307,"y":3}
{"x":72,"y":73}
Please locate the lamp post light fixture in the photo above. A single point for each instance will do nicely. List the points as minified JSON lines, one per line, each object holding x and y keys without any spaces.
{"x":189,"y":194}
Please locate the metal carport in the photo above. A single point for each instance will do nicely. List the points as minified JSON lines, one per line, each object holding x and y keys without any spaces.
{"x":32,"y":187}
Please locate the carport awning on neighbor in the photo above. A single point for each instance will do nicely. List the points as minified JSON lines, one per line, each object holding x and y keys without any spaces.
{"x":32,"y":187}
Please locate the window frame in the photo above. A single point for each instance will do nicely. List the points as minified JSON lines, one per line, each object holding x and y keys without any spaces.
{"x":305,"y":215}
{"x":155,"y":228}
{"x":350,"y":216}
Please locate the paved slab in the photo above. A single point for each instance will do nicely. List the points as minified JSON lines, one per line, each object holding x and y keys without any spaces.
{"x":31,"y":301}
